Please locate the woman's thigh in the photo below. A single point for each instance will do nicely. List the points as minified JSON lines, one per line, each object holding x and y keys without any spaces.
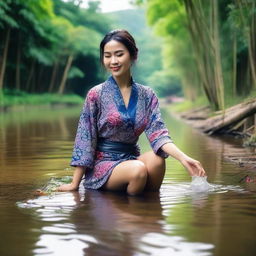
{"x":123,"y":173}
{"x":156,"y":170}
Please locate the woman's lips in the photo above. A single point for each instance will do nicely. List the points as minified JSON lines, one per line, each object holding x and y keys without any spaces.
{"x":115,"y":68}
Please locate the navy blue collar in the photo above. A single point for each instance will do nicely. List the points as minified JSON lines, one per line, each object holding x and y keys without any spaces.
{"x":112,"y":80}
{"x":130,"y":110}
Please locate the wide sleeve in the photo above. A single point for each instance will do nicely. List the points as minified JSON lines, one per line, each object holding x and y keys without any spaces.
{"x":156,"y":131}
{"x":86,"y":136}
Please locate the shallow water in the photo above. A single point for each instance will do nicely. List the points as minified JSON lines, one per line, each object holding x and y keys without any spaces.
{"x":35,"y":146}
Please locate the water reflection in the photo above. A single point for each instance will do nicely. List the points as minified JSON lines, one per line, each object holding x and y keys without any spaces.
{"x":95,"y":222}
{"x":103,"y":223}
{"x":35,"y":143}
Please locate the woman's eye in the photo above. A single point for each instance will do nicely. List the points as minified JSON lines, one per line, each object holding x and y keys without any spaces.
{"x":119,"y":55}
{"x":106,"y":56}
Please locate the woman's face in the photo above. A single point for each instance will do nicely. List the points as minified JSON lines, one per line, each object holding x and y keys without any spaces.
{"x":116,"y":58}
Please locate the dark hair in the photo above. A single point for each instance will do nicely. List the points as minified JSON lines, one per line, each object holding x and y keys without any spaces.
{"x":123,"y":37}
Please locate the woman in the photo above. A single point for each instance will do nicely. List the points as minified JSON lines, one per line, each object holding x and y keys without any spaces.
{"x":115,"y":113}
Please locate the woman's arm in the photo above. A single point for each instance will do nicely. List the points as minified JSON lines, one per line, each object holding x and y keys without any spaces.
{"x":77,"y":177}
{"x":193,"y":166}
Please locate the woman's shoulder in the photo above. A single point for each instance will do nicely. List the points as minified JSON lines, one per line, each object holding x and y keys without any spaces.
{"x":94,"y":93}
{"x":96,"y":88}
{"x":145,"y":89}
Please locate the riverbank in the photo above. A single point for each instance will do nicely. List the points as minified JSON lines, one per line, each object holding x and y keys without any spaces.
{"x":13,"y":101}
{"x":237,"y":122}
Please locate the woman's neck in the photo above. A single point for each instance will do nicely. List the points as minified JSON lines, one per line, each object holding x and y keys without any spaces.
{"x":123,"y":81}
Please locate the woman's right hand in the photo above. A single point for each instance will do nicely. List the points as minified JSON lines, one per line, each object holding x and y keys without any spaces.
{"x":67,"y":187}
{"x":74,"y":185}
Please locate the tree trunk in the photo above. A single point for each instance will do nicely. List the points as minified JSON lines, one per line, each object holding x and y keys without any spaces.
{"x":205,"y":40}
{"x":53,"y":77}
{"x":30,"y":75}
{"x":4,"y":60}
{"x":218,"y":71}
{"x":196,"y":43}
{"x":252,"y":66}
{"x":253,"y":33}
{"x":39,"y":80}
{"x":234,"y":73}
{"x":18,"y":63}
{"x":65,"y":74}
{"x":248,"y":28}
{"x":232,"y":116}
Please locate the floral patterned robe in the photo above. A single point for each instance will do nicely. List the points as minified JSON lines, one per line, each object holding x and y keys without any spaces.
{"x":105,"y":115}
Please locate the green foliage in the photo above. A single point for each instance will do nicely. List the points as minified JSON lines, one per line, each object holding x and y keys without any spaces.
{"x":42,"y":9}
{"x":12,"y":98}
{"x":168,"y":17}
{"x":75,"y":72}
{"x":6,"y":15}
{"x":208,"y":47}
{"x":47,"y":33}
{"x":42,"y":55}
{"x":165,"y":83}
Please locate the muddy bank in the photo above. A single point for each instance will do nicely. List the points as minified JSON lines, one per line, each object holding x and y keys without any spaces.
{"x":238,"y":122}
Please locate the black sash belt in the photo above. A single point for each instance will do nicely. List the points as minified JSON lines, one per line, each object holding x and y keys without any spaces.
{"x":104,"y":145}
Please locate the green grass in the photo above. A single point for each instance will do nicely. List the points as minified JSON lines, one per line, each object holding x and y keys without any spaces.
{"x":231,"y":101}
{"x":187,"y":105}
{"x":16,"y":98}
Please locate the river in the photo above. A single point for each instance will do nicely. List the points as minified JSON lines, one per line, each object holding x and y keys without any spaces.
{"x":35,"y":147}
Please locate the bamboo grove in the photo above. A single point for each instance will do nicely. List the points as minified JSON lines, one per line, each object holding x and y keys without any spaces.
{"x":49,"y":45}
{"x":208,"y":47}
{"x":209,"y":44}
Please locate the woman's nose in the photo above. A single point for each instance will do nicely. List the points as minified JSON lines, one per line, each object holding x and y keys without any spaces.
{"x":113,"y":59}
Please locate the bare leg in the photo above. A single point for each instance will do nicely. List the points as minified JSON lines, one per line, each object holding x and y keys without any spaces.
{"x":130,"y":176}
{"x":156,"y":169}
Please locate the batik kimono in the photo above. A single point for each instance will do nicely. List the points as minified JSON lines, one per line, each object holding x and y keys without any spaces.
{"x":105,"y":115}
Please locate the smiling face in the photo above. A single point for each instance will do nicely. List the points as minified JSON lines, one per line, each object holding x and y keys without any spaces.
{"x":117,"y":59}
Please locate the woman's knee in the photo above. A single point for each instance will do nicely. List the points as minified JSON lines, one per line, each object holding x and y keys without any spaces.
{"x":138,"y":179}
{"x":139,"y":171}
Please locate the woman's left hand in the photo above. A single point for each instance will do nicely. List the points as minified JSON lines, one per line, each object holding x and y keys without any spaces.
{"x":193,"y":166}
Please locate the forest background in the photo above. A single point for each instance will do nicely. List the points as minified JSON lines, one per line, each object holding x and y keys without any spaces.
{"x":202,"y":50}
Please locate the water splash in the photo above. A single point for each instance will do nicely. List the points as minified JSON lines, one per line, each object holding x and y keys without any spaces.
{"x":52,"y":185}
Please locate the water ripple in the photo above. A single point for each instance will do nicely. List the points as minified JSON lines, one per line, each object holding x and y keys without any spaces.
{"x":160,"y":244}
{"x":73,"y":244}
